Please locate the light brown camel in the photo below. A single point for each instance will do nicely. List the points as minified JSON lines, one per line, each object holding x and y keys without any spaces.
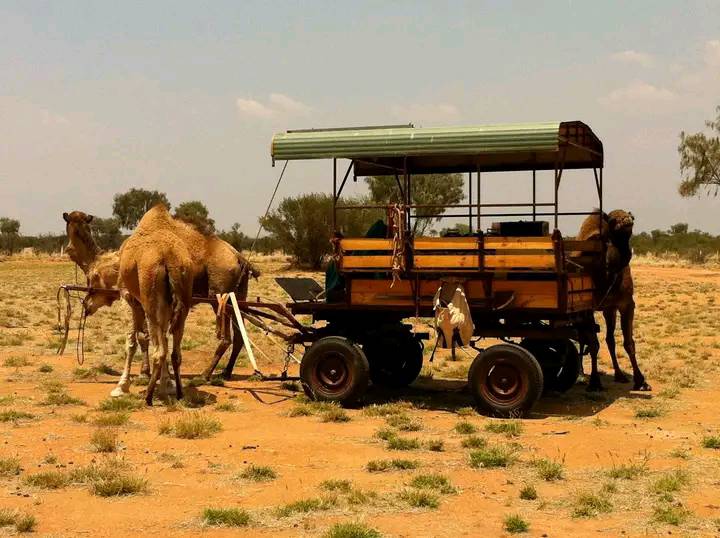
{"x":615,"y":292}
{"x":157,"y":270}
{"x":224,"y":270}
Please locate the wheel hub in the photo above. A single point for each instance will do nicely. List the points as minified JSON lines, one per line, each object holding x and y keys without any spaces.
{"x":332,"y":372}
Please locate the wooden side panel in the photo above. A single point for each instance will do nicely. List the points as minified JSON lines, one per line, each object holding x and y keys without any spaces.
{"x":366,"y":244}
{"x":383,"y":263}
{"x":518,"y":243}
{"x":512,"y":261}
{"x":445,"y":243}
{"x":529,"y":293}
{"x":448,"y":261}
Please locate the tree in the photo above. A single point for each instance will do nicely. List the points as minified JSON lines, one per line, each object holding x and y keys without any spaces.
{"x":195,"y":213}
{"x":700,"y":160}
{"x":434,"y":190}
{"x":302,"y":226}
{"x":106,"y":232}
{"x":236,"y":238}
{"x":129,"y":207}
{"x":9,"y":232}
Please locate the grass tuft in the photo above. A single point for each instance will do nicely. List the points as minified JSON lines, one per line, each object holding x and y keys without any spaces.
{"x":403,"y":423}
{"x":591,"y":505}
{"x":528,"y":493}
{"x":435,"y":445}
{"x":25,"y":523}
{"x":226,"y":517}
{"x":628,"y":471}
{"x":61,"y":398}
{"x":549,"y":470}
{"x":435,"y":482}
{"x":511,"y":428}
{"x":336,"y":485}
{"x":9,"y":467}
{"x":493,"y":456}
{"x":226,"y":407}
{"x":650,"y":411}
{"x":335,"y":414}
{"x":12,"y":415}
{"x":351,"y":530}
{"x":122,"y":403}
{"x":305,"y":506}
{"x":711,"y":441}
{"x":47,"y":480}
{"x":473,"y":441}
{"x":104,"y":441}
{"x":381,"y":466}
{"x":670,"y":482}
{"x":418,"y":498}
{"x":191,"y":425}
{"x":670,"y":514}
{"x":402,"y":443}
{"x":514,"y":524}
{"x":120,"y":485}
{"x":465,"y":428}
{"x":114,"y":419}
{"x":258,"y":473}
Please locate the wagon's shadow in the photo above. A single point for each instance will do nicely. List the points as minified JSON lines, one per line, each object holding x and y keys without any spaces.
{"x":452,"y":394}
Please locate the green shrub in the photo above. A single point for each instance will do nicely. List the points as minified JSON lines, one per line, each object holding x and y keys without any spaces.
{"x":12,"y":415}
{"x":549,"y":470}
{"x":379,"y":466}
{"x":473,"y":441}
{"x":465,"y":428}
{"x":403,"y":443}
{"x":420,"y":498}
{"x":191,"y":425}
{"x":351,"y":530}
{"x":528,"y":493}
{"x":9,"y":467}
{"x":435,"y":481}
{"x":258,"y":473}
{"x":126,"y":402}
{"x":493,"y":456}
{"x":712,"y":441}
{"x":591,"y":505}
{"x":514,"y":524}
{"x":47,"y":480}
{"x":511,"y":428}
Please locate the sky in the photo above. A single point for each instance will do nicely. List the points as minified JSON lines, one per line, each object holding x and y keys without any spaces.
{"x":97,"y":97}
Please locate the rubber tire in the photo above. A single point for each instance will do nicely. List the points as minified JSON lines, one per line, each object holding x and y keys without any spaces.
{"x":521,"y":360}
{"x":349,"y":355}
{"x":557,"y":378}
{"x":395,"y":357}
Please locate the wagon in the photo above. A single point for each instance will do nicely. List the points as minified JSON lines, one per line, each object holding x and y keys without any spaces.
{"x":525,"y":284}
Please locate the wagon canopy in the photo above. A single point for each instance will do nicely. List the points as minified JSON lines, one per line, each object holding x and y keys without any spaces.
{"x":385,"y":150}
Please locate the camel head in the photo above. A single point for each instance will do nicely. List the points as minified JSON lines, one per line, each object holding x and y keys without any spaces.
{"x":620,"y":224}
{"x":82,"y":248}
{"x":102,"y":274}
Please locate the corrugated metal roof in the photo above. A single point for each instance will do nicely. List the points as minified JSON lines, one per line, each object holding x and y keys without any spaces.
{"x":411,"y":141}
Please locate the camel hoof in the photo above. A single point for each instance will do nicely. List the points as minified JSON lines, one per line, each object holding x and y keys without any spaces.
{"x":119,"y":391}
{"x":595,"y":385}
{"x":227,"y":376}
{"x":621,"y":377}
{"x":642,"y":385}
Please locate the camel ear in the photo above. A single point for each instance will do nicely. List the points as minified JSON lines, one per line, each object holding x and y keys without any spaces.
{"x":88,"y":218}
{"x":66,"y":217}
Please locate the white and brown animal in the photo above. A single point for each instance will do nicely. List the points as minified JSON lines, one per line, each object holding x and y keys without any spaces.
{"x":615,"y":291}
{"x":223,"y":270}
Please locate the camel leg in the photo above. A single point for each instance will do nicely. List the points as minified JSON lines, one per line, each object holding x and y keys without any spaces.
{"x":610,"y":315}
{"x":144,"y":341}
{"x":159,"y":341}
{"x":131,"y":343}
{"x":593,"y":345}
{"x":176,"y":356}
{"x":237,"y":345}
{"x":627,"y":318}
{"x":223,"y":343}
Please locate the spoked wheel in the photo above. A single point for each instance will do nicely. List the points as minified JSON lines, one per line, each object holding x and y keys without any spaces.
{"x":334,"y":369}
{"x":395,"y":356}
{"x":560,"y":362}
{"x":505,"y":380}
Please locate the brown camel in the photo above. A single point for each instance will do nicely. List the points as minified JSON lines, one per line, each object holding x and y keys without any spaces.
{"x":157,"y":271}
{"x":224,"y":270}
{"x":615,"y":292}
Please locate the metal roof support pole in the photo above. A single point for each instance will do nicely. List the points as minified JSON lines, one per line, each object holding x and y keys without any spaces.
{"x":470,"y":217}
{"x":334,"y":217}
{"x":534,"y":195}
{"x":559,"y":165}
{"x":342,"y":185}
{"x":479,"y":205}
{"x":408,"y":209}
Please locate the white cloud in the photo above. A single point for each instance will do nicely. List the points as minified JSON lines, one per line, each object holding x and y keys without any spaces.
{"x":425,"y":112}
{"x":634,"y":57}
{"x":712,"y":53}
{"x":288,"y":104}
{"x":638,"y":96}
{"x":278,"y":104}
{"x":251,"y":107}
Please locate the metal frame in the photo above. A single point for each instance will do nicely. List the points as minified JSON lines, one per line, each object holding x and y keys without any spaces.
{"x":405,"y":191}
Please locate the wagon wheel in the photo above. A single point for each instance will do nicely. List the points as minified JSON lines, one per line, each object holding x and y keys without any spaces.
{"x":395,"y":356}
{"x":505,"y":380}
{"x":559,"y":360}
{"x":334,"y":369}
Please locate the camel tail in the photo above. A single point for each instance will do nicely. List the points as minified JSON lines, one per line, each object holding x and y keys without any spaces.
{"x":177,"y":300}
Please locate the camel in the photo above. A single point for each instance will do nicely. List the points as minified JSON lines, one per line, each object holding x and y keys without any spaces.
{"x":224,"y":270}
{"x":615,"y":293}
{"x":157,"y":271}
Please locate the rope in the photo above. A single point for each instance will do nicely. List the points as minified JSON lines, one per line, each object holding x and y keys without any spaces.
{"x":65,"y":327}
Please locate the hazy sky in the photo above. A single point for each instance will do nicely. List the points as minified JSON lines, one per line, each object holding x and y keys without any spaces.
{"x":97,"y":97}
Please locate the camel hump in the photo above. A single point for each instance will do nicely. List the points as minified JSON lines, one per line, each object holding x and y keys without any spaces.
{"x":590,"y":229}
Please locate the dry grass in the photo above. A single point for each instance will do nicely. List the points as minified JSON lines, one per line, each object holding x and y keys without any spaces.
{"x":225,"y":517}
{"x":104,"y":441}
{"x":191,"y":425}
